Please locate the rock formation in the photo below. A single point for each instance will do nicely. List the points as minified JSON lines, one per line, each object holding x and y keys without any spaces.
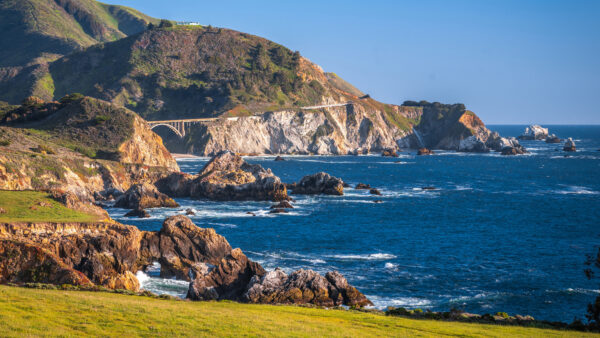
{"x":319,"y":183}
{"x":424,"y":151}
{"x":389,"y":153}
{"x":534,"y":132}
{"x":512,"y":151}
{"x":569,"y":145}
{"x":553,"y":139}
{"x":143,"y":196}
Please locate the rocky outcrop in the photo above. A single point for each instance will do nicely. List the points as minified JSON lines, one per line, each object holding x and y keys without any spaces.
{"x":319,"y":183}
{"x":512,"y":151}
{"x":389,"y":153}
{"x":424,"y":151}
{"x":303,"y":287}
{"x":569,"y":145}
{"x":140,"y":213}
{"x":553,"y":139}
{"x":143,"y":196}
{"x":534,"y":132}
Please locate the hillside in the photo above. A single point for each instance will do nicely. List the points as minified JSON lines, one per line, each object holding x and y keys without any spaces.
{"x":79,"y":313}
{"x":37,"y":30}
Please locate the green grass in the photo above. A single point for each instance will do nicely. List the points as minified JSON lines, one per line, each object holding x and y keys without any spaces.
{"x":34,"y":312}
{"x":18,"y":206}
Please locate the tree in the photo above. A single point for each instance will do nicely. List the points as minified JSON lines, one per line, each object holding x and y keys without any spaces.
{"x":165,"y":24}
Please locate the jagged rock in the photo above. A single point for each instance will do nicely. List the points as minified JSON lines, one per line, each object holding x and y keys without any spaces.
{"x":319,"y":183}
{"x":424,"y":151}
{"x":228,"y":177}
{"x":303,"y":287}
{"x":250,"y":213}
{"x":389,"y":153}
{"x":374,"y":191}
{"x":553,"y":139}
{"x":189,"y":212}
{"x":534,"y":132}
{"x":428,"y":188}
{"x":24,"y":262}
{"x":124,"y":281}
{"x":143,"y":196}
{"x":141,"y":213}
{"x":279,"y":158}
{"x":278,"y":211}
{"x":362,"y":186}
{"x":227,"y":280}
{"x":569,"y":145}
{"x":512,"y":151}
{"x":282,"y":205}
{"x":472,"y":144}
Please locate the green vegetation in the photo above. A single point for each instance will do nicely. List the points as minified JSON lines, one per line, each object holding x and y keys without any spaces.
{"x":36,"y":206}
{"x":342,"y":84}
{"x":32,"y":312}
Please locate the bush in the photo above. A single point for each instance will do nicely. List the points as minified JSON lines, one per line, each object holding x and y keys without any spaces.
{"x":71,"y":97}
{"x":102,"y":118}
{"x":32,"y":101}
{"x":44,"y":149}
{"x":502,"y":314}
{"x":165,"y":24}
{"x":4,"y":143}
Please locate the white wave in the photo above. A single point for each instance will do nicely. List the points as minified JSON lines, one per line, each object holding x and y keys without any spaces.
{"x":407,"y":302}
{"x":375,"y":256}
{"x":151,"y":281}
{"x":577,"y":190}
{"x":224,"y":225}
{"x":391,"y":266}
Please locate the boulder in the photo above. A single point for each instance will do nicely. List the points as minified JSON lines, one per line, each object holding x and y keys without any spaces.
{"x":374,"y":191}
{"x":569,"y":145}
{"x":279,"y":158}
{"x":140,"y":213}
{"x":228,"y":279}
{"x":282,"y":205}
{"x":424,"y":151}
{"x":428,"y":188}
{"x":124,"y":281}
{"x":534,"y":132}
{"x":553,"y":139}
{"x":319,"y":183}
{"x":497,"y":143}
{"x":362,"y":186}
{"x":389,"y":153}
{"x":472,"y":144}
{"x":512,"y":151}
{"x":143,"y":196}
{"x":189,"y":212}
{"x":227,"y":177}
{"x":303,"y":287}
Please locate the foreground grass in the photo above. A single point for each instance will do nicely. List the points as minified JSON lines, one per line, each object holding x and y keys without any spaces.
{"x":34,"y":312}
{"x":36,"y":206}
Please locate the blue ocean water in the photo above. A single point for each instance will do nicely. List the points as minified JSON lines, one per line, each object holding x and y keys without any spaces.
{"x":498,"y":234}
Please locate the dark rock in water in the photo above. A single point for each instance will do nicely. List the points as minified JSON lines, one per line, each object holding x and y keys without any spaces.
{"x":374,"y":191}
{"x":278,"y":211}
{"x":428,"y":188}
{"x":319,"y":183}
{"x":424,"y":151}
{"x":569,"y":145}
{"x":304,"y":287}
{"x":227,"y":177}
{"x":141,"y":213}
{"x":362,"y":186}
{"x":279,"y":158}
{"x":512,"y":151}
{"x":553,"y":139}
{"x":282,"y":205}
{"x":378,"y":201}
{"x":228,"y":279}
{"x":190,"y":212}
{"x":250,"y":213}
{"x":346,"y":185}
{"x":143,"y":196}
{"x":389,"y":153}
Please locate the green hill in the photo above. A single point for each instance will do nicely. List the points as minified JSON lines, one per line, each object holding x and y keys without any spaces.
{"x":31,"y":312}
{"x":38,"y":30}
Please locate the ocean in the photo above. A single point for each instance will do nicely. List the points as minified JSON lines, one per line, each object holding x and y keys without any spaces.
{"x":499,"y":233}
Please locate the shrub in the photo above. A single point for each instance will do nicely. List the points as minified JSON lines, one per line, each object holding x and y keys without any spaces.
{"x":71,"y":97}
{"x":102,"y":118}
{"x":165,"y":24}
{"x":418,"y":311}
{"x":32,"y":101}
{"x":502,"y":314}
{"x":44,"y":149}
{"x":4,"y":143}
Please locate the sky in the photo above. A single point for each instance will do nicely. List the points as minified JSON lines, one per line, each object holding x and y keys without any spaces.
{"x":511,"y":62}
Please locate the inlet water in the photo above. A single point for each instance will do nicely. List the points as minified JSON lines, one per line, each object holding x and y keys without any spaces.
{"x":499,"y":233}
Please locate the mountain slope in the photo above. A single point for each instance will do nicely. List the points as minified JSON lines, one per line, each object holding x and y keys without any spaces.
{"x":37,"y":30}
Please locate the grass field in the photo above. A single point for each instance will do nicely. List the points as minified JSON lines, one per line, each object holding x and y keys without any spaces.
{"x":34,"y":312}
{"x":36,"y":206}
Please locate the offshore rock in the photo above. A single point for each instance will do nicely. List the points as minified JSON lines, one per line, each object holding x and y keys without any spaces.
{"x":374,"y":191}
{"x":389,"y":153}
{"x":140,"y":213}
{"x":143,"y":196}
{"x":512,"y":151}
{"x":279,"y":158}
{"x":282,"y":205}
{"x":424,"y":151}
{"x":228,"y":177}
{"x":534,"y":132}
{"x":319,"y":183}
{"x":362,"y":186}
{"x":553,"y":139}
{"x":569,"y":145}
{"x":303,"y":287}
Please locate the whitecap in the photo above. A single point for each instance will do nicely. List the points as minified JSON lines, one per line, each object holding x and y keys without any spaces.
{"x":375,"y":256}
{"x":576,"y":190}
{"x":391,"y":266}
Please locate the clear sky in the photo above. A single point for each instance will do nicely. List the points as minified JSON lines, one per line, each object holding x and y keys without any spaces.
{"x":511,"y":62}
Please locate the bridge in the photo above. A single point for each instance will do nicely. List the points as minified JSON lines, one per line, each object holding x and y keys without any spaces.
{"x":179,"y":126}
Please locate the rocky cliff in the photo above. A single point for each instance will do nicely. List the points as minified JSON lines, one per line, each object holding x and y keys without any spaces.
{"x":81,"y":145}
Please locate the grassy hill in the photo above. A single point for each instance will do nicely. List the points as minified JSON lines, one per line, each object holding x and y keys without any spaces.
{"x":37,"y":206}
{"x":32,"y":312}
{"x":40,"y":30}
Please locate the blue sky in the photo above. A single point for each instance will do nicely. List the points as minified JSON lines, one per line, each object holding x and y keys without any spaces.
{"x":511,"y":62}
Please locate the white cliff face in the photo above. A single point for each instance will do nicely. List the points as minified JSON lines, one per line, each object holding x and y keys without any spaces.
{"x":534,"y":132}
{"x":335,"y":130}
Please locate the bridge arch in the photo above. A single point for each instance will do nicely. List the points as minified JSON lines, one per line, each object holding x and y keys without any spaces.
{"x":175,"y":130}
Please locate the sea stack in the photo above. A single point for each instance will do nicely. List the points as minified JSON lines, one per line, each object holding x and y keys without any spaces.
{"x":534,"y":132}
{"x":569,"y":145}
